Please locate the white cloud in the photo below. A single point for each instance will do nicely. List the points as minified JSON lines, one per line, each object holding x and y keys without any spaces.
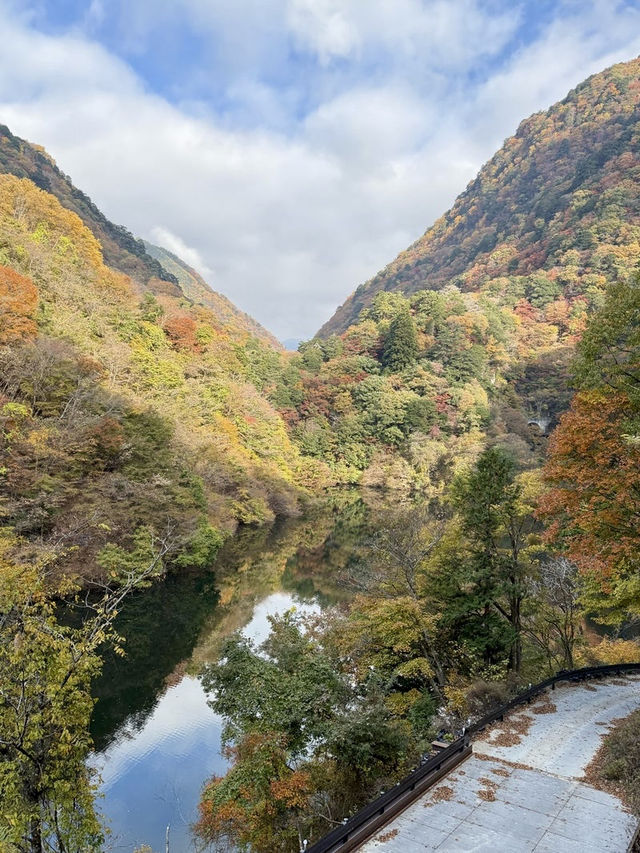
{"x":323,"y":26}
{"x":370,"y":128}
{"x":95,"y":14}
{"x":165,"y":238}
{"x":313,"y":184}
{"x":435,"y":33}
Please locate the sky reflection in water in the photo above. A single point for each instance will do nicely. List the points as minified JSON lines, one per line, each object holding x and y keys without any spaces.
{"x":152,"y":776}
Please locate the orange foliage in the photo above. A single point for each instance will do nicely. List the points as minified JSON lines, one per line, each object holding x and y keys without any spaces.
{"x":253,"y":802}
{"x":181,"y":331}
{"x":292,"y":792}
{"x":558,"y":314}
{"x":593,"y":505}
{"x":218,"y":817}
{"x":525,"y":310}
{"x":18,"y":303}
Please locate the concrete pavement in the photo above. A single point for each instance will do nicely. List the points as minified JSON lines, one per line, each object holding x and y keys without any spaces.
{"x":522,"y":791}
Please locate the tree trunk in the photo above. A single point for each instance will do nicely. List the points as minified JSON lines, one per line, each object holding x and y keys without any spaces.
{"x":35,"y":835}
{"x":515,"y":653}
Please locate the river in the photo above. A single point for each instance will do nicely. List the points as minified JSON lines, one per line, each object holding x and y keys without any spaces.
{"x":157,"y":741}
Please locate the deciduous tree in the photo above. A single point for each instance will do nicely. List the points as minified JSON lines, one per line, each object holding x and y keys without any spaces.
{"x":18,"y":303}
{"x":46,"y":667}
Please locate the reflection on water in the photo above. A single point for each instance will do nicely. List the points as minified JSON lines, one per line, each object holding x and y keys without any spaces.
{"x":275,"y":605}
{"x":161,"y":626}
{"x":152,"y":776}
{"x":157,"y":738}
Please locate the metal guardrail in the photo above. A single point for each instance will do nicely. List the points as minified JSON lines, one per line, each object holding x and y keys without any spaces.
{"x":526,"y":696}
{"x":380,"y":811}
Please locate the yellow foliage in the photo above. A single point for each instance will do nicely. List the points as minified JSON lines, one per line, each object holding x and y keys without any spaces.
{"x":401,"y":703}
{"x":41,"y":214}
{"x":238,"y":439}
{"x":457,"y":700}
{"x":610,"y":651}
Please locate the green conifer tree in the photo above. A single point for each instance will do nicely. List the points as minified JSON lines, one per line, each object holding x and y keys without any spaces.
{"x":401,"y":345}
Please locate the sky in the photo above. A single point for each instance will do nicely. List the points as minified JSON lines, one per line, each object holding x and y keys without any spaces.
{"x":289,"y":149}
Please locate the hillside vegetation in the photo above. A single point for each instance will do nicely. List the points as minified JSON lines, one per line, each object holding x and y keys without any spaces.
{"x":491,"y":302}
{"x":124,"y":413}
{"x":413,"y":390}
{"x":552,"y":217}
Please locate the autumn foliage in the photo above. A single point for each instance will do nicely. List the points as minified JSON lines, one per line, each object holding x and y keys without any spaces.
{"x":147,"y":404}
{"x":555,"y":208}
{"x":593,"y":505}
{"x":117,"y":387}
{"x":18,"y":303}
{"x":181,"y":331}
{"x":257,"y":801}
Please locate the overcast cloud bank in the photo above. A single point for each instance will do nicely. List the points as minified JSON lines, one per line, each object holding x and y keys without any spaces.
{"x":289,"y":149}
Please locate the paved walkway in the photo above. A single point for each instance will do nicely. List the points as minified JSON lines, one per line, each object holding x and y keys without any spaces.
{"x":521,"y":791}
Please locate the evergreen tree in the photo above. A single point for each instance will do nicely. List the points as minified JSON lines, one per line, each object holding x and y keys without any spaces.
{"x":401,"y":344}
{"x":496,"y":519}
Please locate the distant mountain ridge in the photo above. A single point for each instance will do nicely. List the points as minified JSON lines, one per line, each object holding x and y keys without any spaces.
{"x":198,"y":291}
{"x":567,"y":181}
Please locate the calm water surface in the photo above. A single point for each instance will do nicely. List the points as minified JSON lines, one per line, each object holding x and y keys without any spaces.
{"x":156,"y":738}
{"x":152,"y":774}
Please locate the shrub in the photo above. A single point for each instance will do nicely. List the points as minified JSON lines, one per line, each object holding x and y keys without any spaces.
{"x":621,"y":758}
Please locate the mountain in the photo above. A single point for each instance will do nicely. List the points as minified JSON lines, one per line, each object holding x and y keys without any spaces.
{"x":199,"y":292}
{"x":121,"y":250}
{"x":558,"y":201}
{"x":467,"y":337}
{"x":131,"y":409}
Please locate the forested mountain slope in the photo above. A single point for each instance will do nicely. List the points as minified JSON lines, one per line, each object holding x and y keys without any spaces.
{"x":197,"y":290}
{"x":127,"y":412}
{"x":120,"y":248}
{"x":555,"y":213}
{"x":468,"y":335}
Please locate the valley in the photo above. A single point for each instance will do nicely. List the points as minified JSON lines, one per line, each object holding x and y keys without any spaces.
{"x":430,"y":499}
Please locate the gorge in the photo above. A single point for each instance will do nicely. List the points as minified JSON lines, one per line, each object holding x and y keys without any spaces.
{"x":443,"y":483}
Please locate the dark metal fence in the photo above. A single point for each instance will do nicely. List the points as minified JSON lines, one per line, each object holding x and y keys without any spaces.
{"x":372,"y":817}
